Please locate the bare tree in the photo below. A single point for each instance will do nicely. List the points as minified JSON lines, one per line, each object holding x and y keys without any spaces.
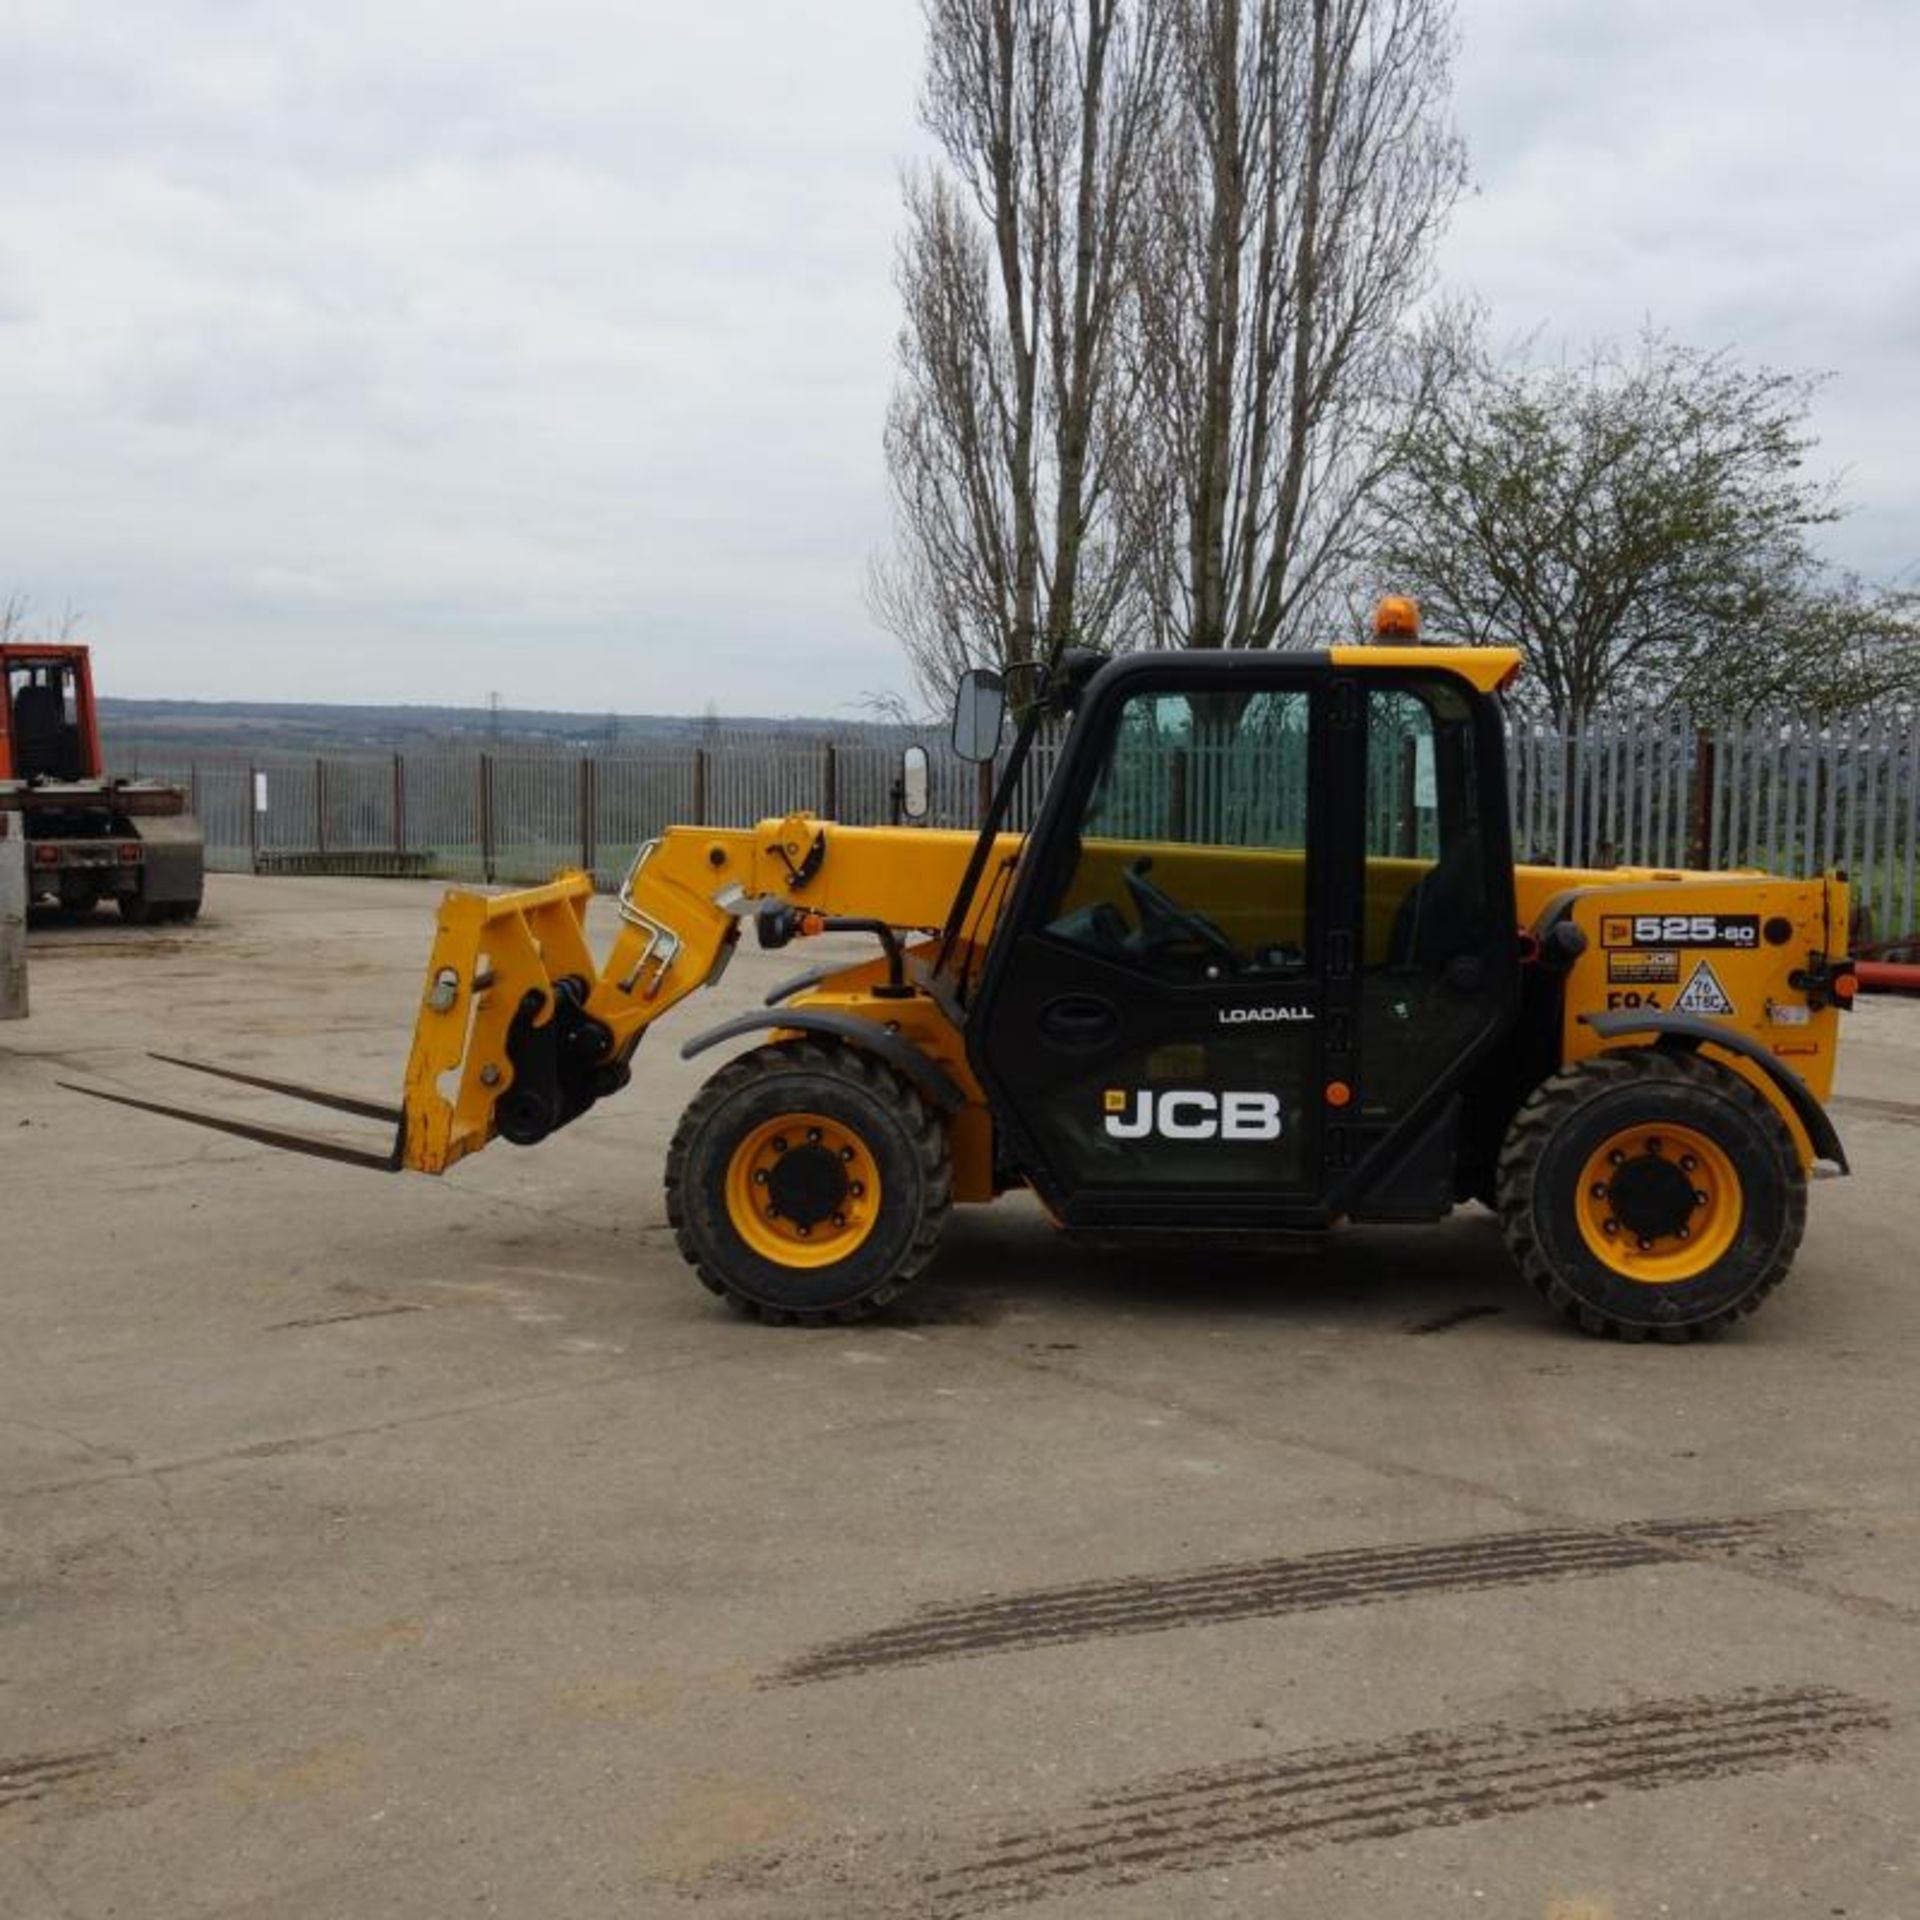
{"x":1153,"y":351}
{"x":1015,"y":272}
{"x":17,"y":626}
{"x":1293,"y":229}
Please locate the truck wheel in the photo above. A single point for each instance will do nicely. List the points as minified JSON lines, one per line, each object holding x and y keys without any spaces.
{"x":136,"y":909}
{"x":807,"y":1182}
{"x":1651,"y":1193}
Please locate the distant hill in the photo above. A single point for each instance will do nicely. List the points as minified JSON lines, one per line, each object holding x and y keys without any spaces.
{"x":169,"y":729}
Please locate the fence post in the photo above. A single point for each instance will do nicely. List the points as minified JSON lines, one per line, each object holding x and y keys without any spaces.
{"x":13,"y":916}
{"x":253,"y":818}
{"x":1406,"y":801}
{"x":586,"y":813}
{"x":320,"y":803}
{"x":1177,"y":795}
{"x":1700,"y":803}
{"x":699,"y":787}
{"x":486,"y":817}
{"x":830,"y":786}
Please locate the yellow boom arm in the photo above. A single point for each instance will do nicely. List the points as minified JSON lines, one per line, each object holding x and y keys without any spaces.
{"x":518,"y":1018}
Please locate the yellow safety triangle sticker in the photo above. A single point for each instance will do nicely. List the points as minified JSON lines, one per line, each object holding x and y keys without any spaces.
{"x":1703,"y":993}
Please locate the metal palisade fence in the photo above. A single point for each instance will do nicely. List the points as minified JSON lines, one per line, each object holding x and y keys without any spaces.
{"x":1645,"y":787}
{"x":1783,"y":793}
{"x":514,"y":816}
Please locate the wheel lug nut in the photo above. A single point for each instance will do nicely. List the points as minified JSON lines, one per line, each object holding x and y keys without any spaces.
{"x":1599,"y":1190}
{"x":1688,"y":1163}
{"x":779,"y":1143}
{"x":813,"y":1136}
{"x":1699,"y":1196}
{"x":839,"y":1219}
{"x":846,"y":1155}
{"x":1654,"y":1144}
{"x":759,"y":1176}
{"x":855,"y":1188}
{"x":773,"y":1213}
{"x":804,"y":1232}
{"x":1609,"y":1226}
{"x":1616,"y":1158}
{"x":1646,"y":1245}
{"x":1686,"y":1233}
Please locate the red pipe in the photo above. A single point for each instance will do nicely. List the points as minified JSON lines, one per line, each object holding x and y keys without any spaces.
{"x":1887,"y":976}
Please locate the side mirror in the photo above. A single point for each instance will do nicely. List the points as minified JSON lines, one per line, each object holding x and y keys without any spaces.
{"x":979,"y":708}
{"x":914,"y":777}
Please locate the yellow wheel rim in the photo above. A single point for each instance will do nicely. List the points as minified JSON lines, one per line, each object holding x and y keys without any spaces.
{"x":803,"y":1190}
{"x":1659,"y":1203}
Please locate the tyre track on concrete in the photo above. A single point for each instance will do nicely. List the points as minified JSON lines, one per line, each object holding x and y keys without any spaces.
{"x":34,"y":1776}
{"x":1339,"y":1795}
{"x":1862,"y":1606}
{"x":1262,"y":1589}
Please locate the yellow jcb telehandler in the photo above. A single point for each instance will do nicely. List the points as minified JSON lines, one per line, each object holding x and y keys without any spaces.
{"x":1263,"y":963}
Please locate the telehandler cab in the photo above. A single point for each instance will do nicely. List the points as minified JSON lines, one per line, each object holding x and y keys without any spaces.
{"x":1264,"y":963}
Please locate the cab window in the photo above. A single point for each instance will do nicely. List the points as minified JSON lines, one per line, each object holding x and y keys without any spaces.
{"x":1191,"y":853}
{"x":1435,"y":939}
{"x":1425,"y":892}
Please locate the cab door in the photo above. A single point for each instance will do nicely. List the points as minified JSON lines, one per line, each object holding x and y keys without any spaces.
{"x":1151,"y":1019}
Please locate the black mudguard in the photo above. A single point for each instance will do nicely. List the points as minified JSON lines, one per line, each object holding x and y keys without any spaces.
{"x":929,"y":1077}
{"x":1690,"y":1031}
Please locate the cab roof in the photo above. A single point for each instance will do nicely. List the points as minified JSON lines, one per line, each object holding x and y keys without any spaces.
{"x":1488,"y":668}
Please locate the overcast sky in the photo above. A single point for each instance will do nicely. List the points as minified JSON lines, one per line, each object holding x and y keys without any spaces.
{"x":420,"y":350}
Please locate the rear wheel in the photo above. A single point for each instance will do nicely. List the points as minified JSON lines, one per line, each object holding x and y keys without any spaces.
{"x":1651,"y":1193}
{"x":136,"y":909}
{"x":807,"y":1182}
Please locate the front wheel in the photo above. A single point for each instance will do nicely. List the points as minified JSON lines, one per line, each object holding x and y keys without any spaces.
{"x":1651,"y":1193}
{"x":807,"y":1182}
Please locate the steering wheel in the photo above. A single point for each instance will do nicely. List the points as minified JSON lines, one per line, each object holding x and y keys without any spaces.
{"x":1165,"y":923}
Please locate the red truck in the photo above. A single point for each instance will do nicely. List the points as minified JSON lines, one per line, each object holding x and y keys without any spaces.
{"x":88,"y":836}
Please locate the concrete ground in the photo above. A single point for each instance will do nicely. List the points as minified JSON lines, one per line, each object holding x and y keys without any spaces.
{"x":405,"y":1547}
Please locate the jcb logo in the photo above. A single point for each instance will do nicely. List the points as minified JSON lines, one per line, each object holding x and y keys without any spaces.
{"x":1192,"y":1113}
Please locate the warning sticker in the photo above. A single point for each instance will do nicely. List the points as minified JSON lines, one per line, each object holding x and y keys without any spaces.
{"x":1644,"y":969}
{"x":1703,"y":993}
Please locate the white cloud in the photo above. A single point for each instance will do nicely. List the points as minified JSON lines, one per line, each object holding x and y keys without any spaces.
{"x":426,"y":349}
{"x":449,"y":348}
{"x":1739,"y":173}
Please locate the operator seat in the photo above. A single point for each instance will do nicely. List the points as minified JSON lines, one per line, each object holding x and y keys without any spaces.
{"x":40,"y":734}
{"x":1440,"y":915}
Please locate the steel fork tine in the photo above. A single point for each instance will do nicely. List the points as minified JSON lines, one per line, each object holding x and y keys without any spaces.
{"x":316,"y":1096}
{"x":281,"y":1137}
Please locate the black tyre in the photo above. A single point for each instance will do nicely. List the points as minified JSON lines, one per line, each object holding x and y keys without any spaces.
{"x":1647,"y":1193}
{"x":807,"y":1182}
{"x":136,"y":909}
